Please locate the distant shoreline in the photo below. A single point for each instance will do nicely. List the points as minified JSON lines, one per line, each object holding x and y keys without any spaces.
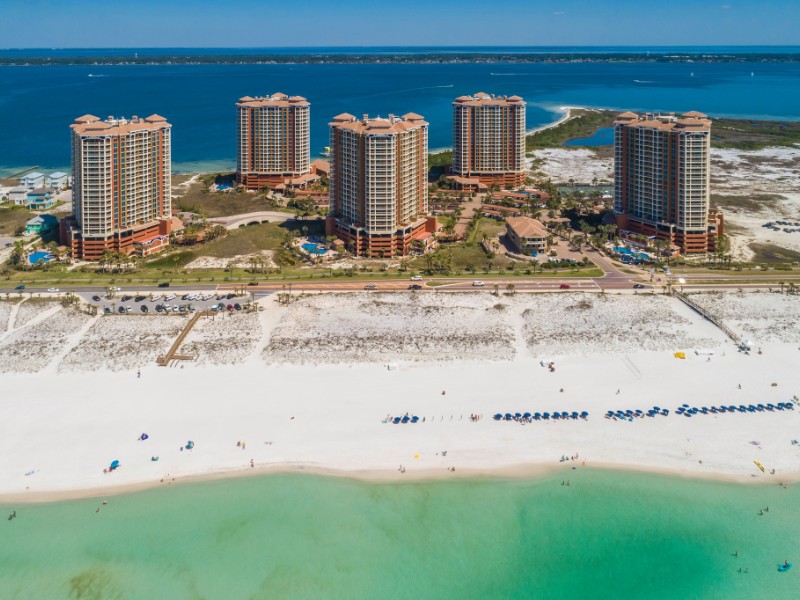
{"x":395,"y":56}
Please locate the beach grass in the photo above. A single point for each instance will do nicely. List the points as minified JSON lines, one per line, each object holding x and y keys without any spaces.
{"x":13,"y":217}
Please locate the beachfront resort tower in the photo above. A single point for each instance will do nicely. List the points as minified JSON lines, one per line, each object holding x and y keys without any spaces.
{"x":121,"y":171}
{"x":273,"y":135}
{"x":489,"y":139}
{"x":661,"y":179}
{"x":379,"y":185}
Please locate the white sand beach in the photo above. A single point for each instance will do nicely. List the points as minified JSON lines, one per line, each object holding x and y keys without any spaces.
{"x":292,"y":386}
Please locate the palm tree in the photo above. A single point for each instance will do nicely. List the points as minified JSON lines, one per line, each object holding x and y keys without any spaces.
{"x":510,"y":289}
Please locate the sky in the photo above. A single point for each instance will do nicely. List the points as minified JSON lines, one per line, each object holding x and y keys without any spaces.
{"x":276,"y":23}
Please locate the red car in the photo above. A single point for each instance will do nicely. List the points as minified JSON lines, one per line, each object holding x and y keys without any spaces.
{"x":564,"y":286}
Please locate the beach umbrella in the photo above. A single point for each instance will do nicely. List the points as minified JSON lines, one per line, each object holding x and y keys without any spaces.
{"x":761,"y":407}
{"x":638,"y":412}
{"x":414,"y":419}
{"x":694,"y":411}
{"x":656,"y":408}
{"x":527,"y":415}
{"x":610,"y":413}
{"x":190,"y":444}
{"x":498,"y":416}
{"x":144,"y":436}
{"x":565,"y":415}
{"x":685,"y":405}
{"x":770,"y":407}
{"x":628,"y":412}
{"x":517,"y":415}
{"x":508,"y":416}
{"x":665,"y":412}
{"x":680,"y":409}
{"x":688,"y":413}
{"x":405,"y":419}
{"x":574,"y":415}
{"x":546,"y":415}
{"x":114,"y":464}
{"x":790,"y":405}
{"x":396,"y":420}
{"x":537,"y":415}
{"x":584,"y":414}
{"x":704,"y":409}
{"x":732,"y":408}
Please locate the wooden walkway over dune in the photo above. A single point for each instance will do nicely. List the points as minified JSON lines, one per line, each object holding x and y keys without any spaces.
{"x":172,"y":353}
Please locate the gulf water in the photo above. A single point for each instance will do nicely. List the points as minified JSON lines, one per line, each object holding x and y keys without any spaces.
{"x":605,"y":535}
{"x":38,"y":103}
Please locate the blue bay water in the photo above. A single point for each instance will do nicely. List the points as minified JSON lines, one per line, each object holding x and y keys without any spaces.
{"x":606,"y":535}
{"x":37,"y":104}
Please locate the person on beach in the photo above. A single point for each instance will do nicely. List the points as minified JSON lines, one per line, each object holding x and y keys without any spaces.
{"x":139,"y":373}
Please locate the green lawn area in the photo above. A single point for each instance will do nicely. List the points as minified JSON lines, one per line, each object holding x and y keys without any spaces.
{"x":222,"y":204}
{"x":250,"y":239}
{"x":12,"y":217}
{"x":769,"y":253}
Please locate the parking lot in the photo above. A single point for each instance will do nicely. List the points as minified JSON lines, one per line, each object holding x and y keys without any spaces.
{"x":167,"y":302}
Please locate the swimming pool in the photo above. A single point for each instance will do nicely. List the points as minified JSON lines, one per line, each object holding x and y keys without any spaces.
{"x":628,"y":252}
{"x":314,"y":249}
{"x":42,"y":256}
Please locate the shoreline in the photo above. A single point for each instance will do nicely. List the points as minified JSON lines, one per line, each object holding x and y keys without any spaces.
{"x":510,"y":473}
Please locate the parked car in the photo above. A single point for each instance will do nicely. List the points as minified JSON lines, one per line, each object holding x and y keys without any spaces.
{"x":478,"y":284}
{"x":144,"y":308}
{"x":140,"y":298}
{"x":564,"y":286}
{"x":52,"y":290}
{"x":370,"y":286}
{"x":253,"y":283}
{"x":237,"y":306}
{"x":19,"y":288}
{"x":416,"y":278}
{"x":96,"y":298}
{"x":230,"y":307}
{"x":107,"y":310}
{"x":415,"y":286}
{"x":121,"y":310}
{"x":638,"y":286}
{"x":125,"y":298}
{"x":163,"y":285}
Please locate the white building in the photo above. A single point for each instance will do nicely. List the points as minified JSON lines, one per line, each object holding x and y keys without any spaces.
{"x":58,"y":181}
{"x":32,"y":180}
{"x":18,"y":196}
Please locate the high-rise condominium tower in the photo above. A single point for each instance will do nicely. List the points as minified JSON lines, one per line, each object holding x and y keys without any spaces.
{"x":489,"y":139}
{"x":661,"y":179}
{"x":273,"y":141}
{"x":121,"y":186}
{"x":379,"y":184}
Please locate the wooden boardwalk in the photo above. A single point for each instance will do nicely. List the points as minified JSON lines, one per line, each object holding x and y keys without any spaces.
{"x":708,"y":316}
{"x":172,"y":353}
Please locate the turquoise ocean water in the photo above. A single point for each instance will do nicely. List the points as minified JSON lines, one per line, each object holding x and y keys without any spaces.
{"x":606,"y":535}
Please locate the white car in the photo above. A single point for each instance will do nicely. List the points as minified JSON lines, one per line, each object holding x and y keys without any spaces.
{"x":52,"y":290}
{"x":170,"y":297}
{"x":478,"y":284}
{"x":416,"y":278}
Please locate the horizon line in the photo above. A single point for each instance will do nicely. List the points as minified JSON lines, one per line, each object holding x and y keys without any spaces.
{"x":637,"y":46}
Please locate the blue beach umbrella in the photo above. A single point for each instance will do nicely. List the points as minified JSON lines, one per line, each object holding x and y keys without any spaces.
{"x":508,"y":416}
{"x":396,"y":420}
{"x":665,"y":412}
{"x":685,"y":405}
{"x":406,"y":419}
{"x":114,"y":464}
{"x":584,"y":414}
{"x":546,"y":415}
{"x":527,"y":415}
{"x":790,"y":405}
{"x":574,"y":415}
{"x":656,"y":408}
{"x":537,"y":415}
{"x":414,"y":419}
{"x":498,"y":416}
{"x":565,"y":415}
{"x":517,"y":415}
